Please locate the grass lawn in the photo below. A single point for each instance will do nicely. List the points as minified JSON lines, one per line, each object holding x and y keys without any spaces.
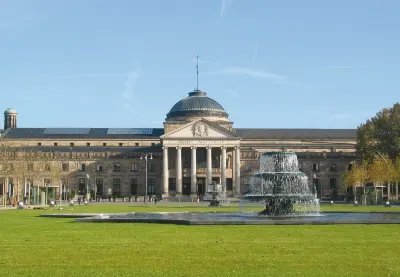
{"x":33,"y":246}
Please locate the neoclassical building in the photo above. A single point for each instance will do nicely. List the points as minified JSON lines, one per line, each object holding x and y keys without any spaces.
{"x":197,"y":146}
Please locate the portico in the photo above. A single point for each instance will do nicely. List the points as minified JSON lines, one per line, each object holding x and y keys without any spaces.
{"x":200,"y":152}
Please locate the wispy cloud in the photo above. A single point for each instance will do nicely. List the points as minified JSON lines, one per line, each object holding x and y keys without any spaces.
{"x":65,"y":77}
{"x":231,"y":93}
{"x":255,"y":53}
{"x":222,"y":69}
{"x":340,"y":116}
{"x":340,"y":66}
{"x":130,"y":86}
{"x":233,"y":70}
{"x":95,"y":75}
{"x":129,"y":108}
{"x":224,"y":6}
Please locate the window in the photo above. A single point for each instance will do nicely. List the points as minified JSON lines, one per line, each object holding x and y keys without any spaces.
{"x":104,"y":144}
{"x":82,"y":185}
{"x":136,"y":144}
{"x":151,"y":186}
{"x":153,"y":144}
{"x":71,"y":144}
{"x":117,"y":167}
{"x":82,"y":167}
{"x":332,"y":183}
{"x":47,"y":167}
{"x":47,"y":181}
{"x":116,"y":186}
{"x":30,"y":166}
{"x":172,"y":184}
{"x":55,"y":144}
{"x":315,"y":167}
{"x":120,"y":144}
{"x":350,"y":167}
{"x":1,"y":185}
{"x":133,"y":186}
{"x":151,"y":167}
{"x":248,"y":166}
{"x":134,"y":167}
{"x":332,"y":168}
{"x":99,"y":186}
{"x":65,"y":167}
{"x":99,"y":168}
{"x":39,"y":144}
{"x":88,"y":144}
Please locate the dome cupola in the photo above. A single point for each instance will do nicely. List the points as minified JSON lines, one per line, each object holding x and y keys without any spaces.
{"x":197,"y":104}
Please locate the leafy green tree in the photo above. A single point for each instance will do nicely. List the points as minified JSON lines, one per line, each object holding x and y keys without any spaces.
{"x":380,"y":134}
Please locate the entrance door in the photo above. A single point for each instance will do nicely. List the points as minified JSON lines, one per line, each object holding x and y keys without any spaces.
{"x":82,"y":186}
{"x":186,"y":186}
{"x":201,"y":185}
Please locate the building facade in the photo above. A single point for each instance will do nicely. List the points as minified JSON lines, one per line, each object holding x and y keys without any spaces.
{"x":197,"y":146}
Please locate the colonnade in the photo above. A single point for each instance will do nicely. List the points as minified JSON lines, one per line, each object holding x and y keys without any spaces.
{"x":193,"y":170}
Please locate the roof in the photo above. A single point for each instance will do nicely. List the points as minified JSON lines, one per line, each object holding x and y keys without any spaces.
{"x":155,"y":133}
{"x":197,"y":103}
{"x":83,"y":133}
{"x":119,"y":149}
{"x":296,"y":133}
{"x":10,"y":111}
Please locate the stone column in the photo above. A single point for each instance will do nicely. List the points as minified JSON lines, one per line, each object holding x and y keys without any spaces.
{"x":193,"y":174}
{"x":209,"y":167}
{"x":223,"y":168}
{"x":178,"y":170}
{"x":237,"y":170}
{"x":165,"y":172}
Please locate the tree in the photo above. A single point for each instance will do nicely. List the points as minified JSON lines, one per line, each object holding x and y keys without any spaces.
{"x":19,"y":169}
{"x":50,"y":168}
{"x":5,"y":170}
{"x":396,"y":175}
{"x":356,"y":177}
{"x":379,"y":173}
{"x":380,"y":134}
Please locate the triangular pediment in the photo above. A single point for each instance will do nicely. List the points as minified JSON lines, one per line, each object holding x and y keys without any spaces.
{"x":201,"y":129}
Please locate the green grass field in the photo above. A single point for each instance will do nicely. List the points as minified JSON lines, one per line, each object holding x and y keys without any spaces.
{"x":34,"y":246}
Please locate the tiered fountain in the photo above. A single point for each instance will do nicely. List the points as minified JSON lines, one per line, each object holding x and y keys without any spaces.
{"x":215,"y":195}
{"x":281,"y":186}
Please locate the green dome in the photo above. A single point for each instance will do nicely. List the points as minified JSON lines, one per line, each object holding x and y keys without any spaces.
{"x":10,"y":111}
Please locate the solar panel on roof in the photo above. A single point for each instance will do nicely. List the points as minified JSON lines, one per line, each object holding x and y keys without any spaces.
{"x":130,"y":131}
{"x":66,"y":131}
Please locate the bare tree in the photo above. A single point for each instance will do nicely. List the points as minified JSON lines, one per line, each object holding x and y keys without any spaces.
{"x":5,"y":170}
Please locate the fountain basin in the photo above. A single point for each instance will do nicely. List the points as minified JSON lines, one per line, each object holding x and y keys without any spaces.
{"x":216,"y":218}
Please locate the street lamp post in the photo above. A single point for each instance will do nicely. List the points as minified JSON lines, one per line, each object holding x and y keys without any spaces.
{"x":146,"y":156}
{"x":87,"y":187}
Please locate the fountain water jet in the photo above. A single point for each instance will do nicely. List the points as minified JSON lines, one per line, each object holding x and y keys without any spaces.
{"x":281,"y":186}
{"x":215,"y":195}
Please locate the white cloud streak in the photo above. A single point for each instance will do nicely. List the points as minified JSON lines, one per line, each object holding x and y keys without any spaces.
{"x":129,"y":90}
{"x":244,"y":71}
{"x":225,"y":4}
{"x":340,"y":66}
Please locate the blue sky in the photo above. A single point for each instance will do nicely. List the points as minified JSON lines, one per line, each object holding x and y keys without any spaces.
{"x":271,"y":64}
